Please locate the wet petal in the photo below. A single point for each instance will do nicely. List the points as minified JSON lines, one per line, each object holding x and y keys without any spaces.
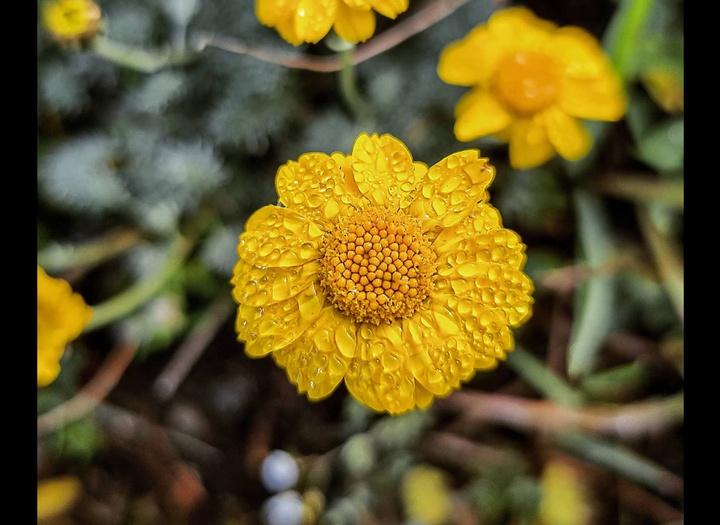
{"x":590,"y":88}
{"x":314,"y":19}
{"x":390,"y":8}
{"x":314,"y":186}
{"x":567,"y":134}
{"x":354,"y":25}
{"x":479,"y":113}
{"x":313,"y":362}
{"x":529,"y":144}
{"x":470,"y":61}
{"x":487,"y":270}
{"x":442,"y":357}
{"x":279,"y":237}
{"x":451,"y":189}
{"x":271,"y":12}
{"x":257,"y":286}
{"x":483,"y":218}
{"x":383,"y":169}
{"x":601,"y":99}
{"x":382,"y":389}
{"x":518,"y":27}
{"x":423,"y":397}
{"x":268,"y":328}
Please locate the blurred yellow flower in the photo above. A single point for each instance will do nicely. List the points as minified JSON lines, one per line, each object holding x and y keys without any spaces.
{"x":71,"y":20}
{"x":309,"y":21}
{"x":56,"y":497}
{"x":565,"y":496}
{"x":531,"y":84}
{"x":374,"y":269}
{"x":427,"y":496}
{"x":62,"y":316}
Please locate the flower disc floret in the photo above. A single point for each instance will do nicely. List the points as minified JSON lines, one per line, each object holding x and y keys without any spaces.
{"x":380,"y":272}
{"x":377,"y":266}
{"x":532,"y":83}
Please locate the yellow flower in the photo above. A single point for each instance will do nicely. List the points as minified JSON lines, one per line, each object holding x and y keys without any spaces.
{"x":565,"y":496}
{"x":309,"y":21}
{"x":531,"y":83}
{"x":62,"y":316}
{"x":71,"y":20}
{"x":56,"y":497}
{"x":427,"y":496}
{"x":374,"y":269}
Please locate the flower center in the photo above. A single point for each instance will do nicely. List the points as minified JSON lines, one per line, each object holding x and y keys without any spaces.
{"x":378,"y":266}
{"x":527,"y":82}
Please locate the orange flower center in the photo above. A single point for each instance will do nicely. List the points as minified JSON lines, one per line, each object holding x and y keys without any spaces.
{"x":527,"y":82}
{"x":377,"y":266}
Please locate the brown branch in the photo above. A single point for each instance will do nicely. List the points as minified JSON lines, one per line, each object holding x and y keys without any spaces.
{"x":429,"y":15}
{"x":625,"y":422}
{"x":93,"y":393}
{"x":190,"y":350}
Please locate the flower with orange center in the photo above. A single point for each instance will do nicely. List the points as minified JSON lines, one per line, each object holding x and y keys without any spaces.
{"x":379,"y":271}
{"x":532,"y":84}
{"x":62,"y":316}
{"x":71,"y":20}
{"x":309,"y":21}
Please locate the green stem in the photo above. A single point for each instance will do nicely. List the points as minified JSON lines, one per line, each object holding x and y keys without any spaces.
{"x":623,"y":34}
{"x":348,"y":86}
{"x":623,"y":462}
{"x":139,"y":59}
{"x":616,"y":383}
{"x":543,"y":379}
{"x":595,"y":301}
{"x":61,"y":257}
{"x":668,"y":259}
{"x":643,"y":189}
{"x":132,"y":298}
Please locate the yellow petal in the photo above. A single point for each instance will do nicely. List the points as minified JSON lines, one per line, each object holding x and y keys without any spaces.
{"x":486,"y":269}
{"x":478,"y":113}
{"x":286,"y":29}
{"x":354,"y":25}
{"x":62,"y":315}
{"x":315,"y":187}
{"x":314,"y":19}
{"x":470,"y":61}
{"x":593,"y":99}
{"x":451,"y":189}
{"x":380,"y":387}
{"x":579,"y":53}
{"x":383,"y":169}
{"x":519,"y":28}
{"x":279,"y":237}
{"x":590,"y":87}
{"x":258,"y":286}
{"x":441,"y":358}
{"x":313,"y":362}
{"x":390,"y":8}
{"x":423,"y":397}
{"x":271,"y":327}
{"x":483,"y":218}
{"x":271,"y":12}
{"x":567,"y":134}
{"x":529,"y":144}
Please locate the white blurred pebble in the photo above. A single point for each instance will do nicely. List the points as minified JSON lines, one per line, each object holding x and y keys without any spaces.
{"x":279,"y":471}
{"x":284,"y":508}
